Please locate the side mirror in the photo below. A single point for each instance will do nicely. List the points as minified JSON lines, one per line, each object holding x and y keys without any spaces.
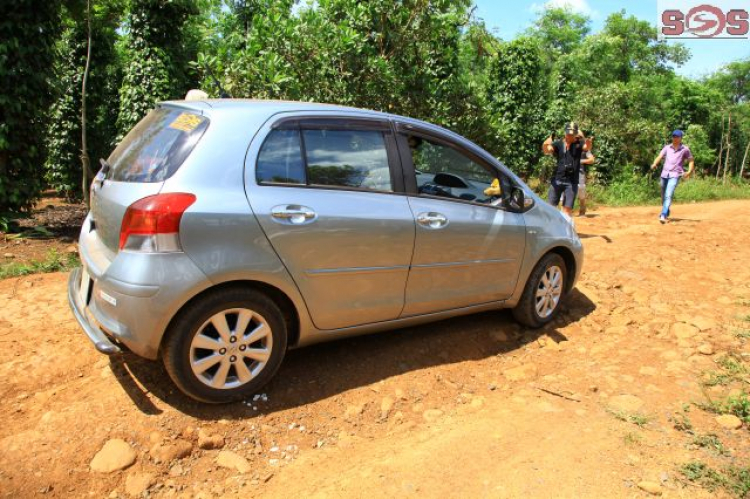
{"x":518,"y":201}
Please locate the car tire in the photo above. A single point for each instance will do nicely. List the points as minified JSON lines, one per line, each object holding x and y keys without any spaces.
{"x":204,"y":350}
{"x":532,"y":310}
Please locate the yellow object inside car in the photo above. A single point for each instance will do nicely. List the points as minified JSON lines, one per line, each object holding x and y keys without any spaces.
{"x":494,"y":189}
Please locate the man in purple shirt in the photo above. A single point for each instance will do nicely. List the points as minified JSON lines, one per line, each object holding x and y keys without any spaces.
{"x":676,"y":155}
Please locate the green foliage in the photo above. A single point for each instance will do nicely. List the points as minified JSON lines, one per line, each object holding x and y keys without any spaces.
{"x":631,"y":190}
{"x":710,"y":442}
{"x":637,"y":419}
{"x":733,"y":479}
{"x":516,"y":103}
{"x":158,"y":50}
{"x":63,"y":165}
{"x":27,"y":34}
{"x":560,"y":29}
{"x":429,"y":59}
{"x":54,"y":262}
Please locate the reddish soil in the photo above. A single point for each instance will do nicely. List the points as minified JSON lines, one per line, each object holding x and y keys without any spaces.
{"x":469,"y":407}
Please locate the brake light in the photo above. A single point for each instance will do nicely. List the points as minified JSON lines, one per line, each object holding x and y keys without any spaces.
{"x":152,"y":224}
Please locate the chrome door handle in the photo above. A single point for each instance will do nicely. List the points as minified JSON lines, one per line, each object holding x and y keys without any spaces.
{"x":293,"y":214}
{"x":432,"y":220}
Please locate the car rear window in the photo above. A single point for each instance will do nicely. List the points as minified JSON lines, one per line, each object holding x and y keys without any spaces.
{"x":158,"y":145}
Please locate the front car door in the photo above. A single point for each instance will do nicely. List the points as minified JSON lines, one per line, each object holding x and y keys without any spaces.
{"x":326,"y":193}
{"x":469,"y":247}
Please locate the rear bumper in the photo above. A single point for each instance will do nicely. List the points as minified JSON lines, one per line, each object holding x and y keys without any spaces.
{"x":100,"y":340}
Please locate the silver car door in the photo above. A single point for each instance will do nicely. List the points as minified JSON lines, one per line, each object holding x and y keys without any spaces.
{"x":325,"y":193}
{"x":468,"y":248}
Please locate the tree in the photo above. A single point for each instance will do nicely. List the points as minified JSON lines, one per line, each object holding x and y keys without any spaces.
{"x":158,"y":52}
{"x":517,"y":100}
{"x":733,"y":81}
{"x":27,"y":34}
{"x":560,"y":30}
{"x":638,"y":49}
{"x":63,"y":170}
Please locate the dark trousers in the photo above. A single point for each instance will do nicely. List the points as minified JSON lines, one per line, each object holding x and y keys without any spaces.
{"x":559,"y":187}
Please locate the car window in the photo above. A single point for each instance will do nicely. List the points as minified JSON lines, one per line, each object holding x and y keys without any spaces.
{"x":442,"y":171}
{"x":347,"y":158}
{"x":280,"y":159}
{"x":157,"y":146}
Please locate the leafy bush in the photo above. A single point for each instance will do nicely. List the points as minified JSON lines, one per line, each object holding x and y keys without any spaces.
{"x":27,"y":34}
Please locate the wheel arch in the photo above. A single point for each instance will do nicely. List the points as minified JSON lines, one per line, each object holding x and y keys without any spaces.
{"x":570,"y":264}
{"x":289,"y":311}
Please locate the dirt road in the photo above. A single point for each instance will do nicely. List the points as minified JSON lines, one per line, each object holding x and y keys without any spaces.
{"x":592,"y":406}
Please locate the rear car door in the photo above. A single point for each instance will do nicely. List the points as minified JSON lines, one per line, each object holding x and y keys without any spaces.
{"x":469,"y":247}
{"x":326,"y":192}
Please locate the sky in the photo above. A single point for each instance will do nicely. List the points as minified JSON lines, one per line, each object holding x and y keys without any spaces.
{"x":511,"y":18}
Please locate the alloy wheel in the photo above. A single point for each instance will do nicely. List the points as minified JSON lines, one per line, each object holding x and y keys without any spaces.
{"x":231,"y":348}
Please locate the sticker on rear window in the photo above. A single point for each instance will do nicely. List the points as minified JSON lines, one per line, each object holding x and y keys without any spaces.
{"x":186,"y":122}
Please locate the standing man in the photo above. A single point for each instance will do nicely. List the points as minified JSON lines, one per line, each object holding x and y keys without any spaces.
{"x":568,"y":153}
{"x":676,"y":155}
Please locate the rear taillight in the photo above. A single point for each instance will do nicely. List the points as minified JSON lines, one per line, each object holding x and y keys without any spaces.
{"x":152,"y":224}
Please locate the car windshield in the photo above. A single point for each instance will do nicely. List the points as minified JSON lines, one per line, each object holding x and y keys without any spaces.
{"x":157,"y":146}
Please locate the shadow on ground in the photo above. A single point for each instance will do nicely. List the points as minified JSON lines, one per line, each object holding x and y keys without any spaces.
{"x":588,"y":236}
{"x":321,"y":371}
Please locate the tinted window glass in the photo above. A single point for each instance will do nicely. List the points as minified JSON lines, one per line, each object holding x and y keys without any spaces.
{"x":347,"y":159}
{"x":157,"y":146}
{"x":280,"y":159}
{"x":445,"y":172}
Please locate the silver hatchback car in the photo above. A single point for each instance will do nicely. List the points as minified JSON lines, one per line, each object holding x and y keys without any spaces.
{"x":223,"y":232}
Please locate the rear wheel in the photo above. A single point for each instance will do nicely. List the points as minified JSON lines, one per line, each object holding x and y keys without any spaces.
{"x":226,"y":346}
{"x":543,"y":293}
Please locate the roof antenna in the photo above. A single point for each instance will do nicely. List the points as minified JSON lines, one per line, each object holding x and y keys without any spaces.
{"x":223,"y":94}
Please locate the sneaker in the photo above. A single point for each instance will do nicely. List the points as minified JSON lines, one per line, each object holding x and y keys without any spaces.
{"x":662,"y":219}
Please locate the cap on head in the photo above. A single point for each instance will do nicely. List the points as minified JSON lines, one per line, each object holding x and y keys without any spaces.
{"x":571,"y":128}
{"x":677,"y":133}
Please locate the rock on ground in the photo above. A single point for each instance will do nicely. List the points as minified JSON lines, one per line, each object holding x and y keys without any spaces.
{"x":167,"y":452}
{"x":625,"y":403}
{"x":209,"y":441}
{"x":233,"y":461}
{"x":650,"y":487}
{"x":729,"y":421}
{"x":138,"y":483}
{"x":115,"y":455}
{"x":521,"y":373}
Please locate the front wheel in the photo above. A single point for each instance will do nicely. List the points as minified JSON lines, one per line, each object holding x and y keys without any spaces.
{"x":543,"y":293}
{"x":226,"y":346}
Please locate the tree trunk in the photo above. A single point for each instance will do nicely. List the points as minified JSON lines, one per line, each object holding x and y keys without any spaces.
{"x":729,"y":148}
{"x":742,"y":169}
{"x":721,"y":149}
{"x":85,"y":160}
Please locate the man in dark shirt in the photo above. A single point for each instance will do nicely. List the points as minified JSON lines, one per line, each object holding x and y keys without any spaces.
{"x":568,"y":153}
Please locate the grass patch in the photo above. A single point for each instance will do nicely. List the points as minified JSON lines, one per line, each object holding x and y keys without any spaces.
{"x":733,"y":368}
{"x":711,"y":443}
{"x":640,"y":190}
{"x":682,"y":423}
{"x":632,"y":438}
{"x":738,"y":405}
{"x":741,"y":333}
{"x":639,"y":420}
{"x":733,"y":479}
{"x":54,"y":262}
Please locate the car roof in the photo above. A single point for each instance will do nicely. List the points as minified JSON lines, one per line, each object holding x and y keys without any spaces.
{"x":272,"y":107}
{"x":269,"y":106}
